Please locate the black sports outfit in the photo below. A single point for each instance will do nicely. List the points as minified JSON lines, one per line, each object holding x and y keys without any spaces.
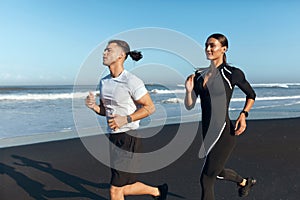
{"x":223,"y":143}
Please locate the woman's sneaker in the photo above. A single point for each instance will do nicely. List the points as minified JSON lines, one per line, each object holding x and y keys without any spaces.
{"x":244,"y":190}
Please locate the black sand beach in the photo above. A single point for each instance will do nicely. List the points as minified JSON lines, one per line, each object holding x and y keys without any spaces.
{"x":269,"y":150}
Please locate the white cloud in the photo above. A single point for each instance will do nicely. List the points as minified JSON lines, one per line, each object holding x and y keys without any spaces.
{"x":5,"y":76}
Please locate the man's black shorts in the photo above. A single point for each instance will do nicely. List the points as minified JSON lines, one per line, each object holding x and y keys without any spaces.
{"x":129,"y":144}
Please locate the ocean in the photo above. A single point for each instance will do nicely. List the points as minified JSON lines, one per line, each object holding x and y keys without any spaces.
{"x":49,"y":110}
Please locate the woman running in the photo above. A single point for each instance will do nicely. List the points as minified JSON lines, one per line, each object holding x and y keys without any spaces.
{"x":215,"y":86}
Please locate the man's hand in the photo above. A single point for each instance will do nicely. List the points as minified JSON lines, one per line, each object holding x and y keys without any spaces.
{"x":116,"y":121}
{"x":90,"y":101}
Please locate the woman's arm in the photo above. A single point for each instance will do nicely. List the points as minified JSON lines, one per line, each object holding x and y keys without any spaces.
{"x":240,"y":79}
{"x":190,"y":96}
{"x":240,"y":125}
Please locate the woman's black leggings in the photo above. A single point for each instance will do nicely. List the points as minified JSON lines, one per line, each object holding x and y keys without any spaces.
{"x":215,"y":162}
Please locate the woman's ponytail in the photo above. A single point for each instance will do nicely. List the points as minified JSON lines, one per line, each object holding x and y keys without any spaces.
{"x":224,"y":59}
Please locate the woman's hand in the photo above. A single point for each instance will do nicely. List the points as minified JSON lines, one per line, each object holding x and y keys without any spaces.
{"x":240,"y":125}
{"x":189,"y":83}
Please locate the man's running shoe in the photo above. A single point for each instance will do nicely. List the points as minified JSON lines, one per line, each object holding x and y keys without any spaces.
{"x":244,"y":190}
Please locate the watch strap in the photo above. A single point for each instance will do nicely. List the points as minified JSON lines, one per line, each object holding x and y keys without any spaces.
{"x":245,"y":112}
{"x":129,"y":119}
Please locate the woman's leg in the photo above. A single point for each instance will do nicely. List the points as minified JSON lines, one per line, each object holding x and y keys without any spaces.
{"x":215,"y":162}
{"x":231,"y":175}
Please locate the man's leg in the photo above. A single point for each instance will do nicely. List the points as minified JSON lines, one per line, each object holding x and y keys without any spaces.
{"x":116,"y":193}
{"x":138,"y":188}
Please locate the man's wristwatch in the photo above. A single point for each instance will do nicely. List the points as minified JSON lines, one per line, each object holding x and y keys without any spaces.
{"x":245,"y":112}
{"x":129,"y":119}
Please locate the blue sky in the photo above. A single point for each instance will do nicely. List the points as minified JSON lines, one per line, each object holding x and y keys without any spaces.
{"x":47,"y":41}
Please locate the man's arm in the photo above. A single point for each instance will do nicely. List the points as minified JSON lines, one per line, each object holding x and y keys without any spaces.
{"x":146,"y":108}
{"x":90,"y":102}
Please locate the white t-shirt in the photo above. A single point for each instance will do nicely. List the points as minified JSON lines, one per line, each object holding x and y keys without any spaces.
{"x":118,"y":96}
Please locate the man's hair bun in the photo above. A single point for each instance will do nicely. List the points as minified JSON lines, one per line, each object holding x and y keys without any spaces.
{"x":135,"y":55}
